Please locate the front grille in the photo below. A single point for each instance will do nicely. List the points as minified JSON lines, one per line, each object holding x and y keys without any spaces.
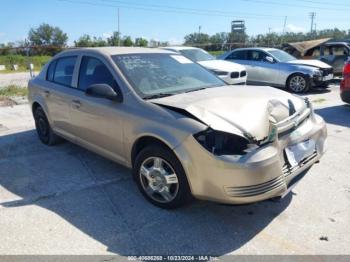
{"x":327,"y":71}
{"x":248,"y":191}
{"x":234,"y":74}
{"x":287,"y":170}
{"x":243,"y":73}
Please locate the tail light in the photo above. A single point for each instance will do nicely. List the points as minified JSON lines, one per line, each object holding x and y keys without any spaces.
{"x":346,"y":69}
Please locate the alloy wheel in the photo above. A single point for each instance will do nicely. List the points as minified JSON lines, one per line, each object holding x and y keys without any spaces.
{"x":159,"y":180}
{"x":297,"y":84}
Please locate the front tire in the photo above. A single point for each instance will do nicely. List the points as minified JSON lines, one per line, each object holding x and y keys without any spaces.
{"x":161,"y":178}
{"x":43,"y":128}
{"x":298,"y":83}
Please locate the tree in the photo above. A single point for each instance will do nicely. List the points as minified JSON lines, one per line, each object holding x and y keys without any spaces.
{"x":197,"y":39}
{"x":46,"y":35}
{"x":114,"y":39}
{"x":87,"y":41}
{"x":127,"y":41}
{"x":141,"y":42}
{"x":218,"y":41}
{"x":47,"y":39}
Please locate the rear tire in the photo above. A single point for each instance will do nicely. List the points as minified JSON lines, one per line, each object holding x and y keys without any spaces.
{"x":298,"y":83}
{"x":43,"y":128}
{"x":161,"y":178}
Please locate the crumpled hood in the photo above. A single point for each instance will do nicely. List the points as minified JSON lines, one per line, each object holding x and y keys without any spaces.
{"x":222,"y":65}
{"x":243,"y":110}
{"x":314,"y":63}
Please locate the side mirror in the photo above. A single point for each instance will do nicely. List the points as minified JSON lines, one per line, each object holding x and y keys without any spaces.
{"x":270,"y":59}
{"x":103,"y":91}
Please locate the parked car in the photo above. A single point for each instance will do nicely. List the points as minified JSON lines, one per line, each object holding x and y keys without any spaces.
{"x":182,"y":130}
{"x":270,"y":66}
{"x":345,"y":84}
{"x":231,"y":73}
{"x":334,"y":53}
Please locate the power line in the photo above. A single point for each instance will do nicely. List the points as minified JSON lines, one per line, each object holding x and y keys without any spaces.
{"x":296,"y":5}
{"x":190,"y":9}
{"x":125,"y":6}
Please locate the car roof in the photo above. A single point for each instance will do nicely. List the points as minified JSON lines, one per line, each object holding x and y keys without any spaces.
{"x":178,"y":48}
{"x":266,"y":49}
{"x":113,"y":50}
{"x":337,"y":43}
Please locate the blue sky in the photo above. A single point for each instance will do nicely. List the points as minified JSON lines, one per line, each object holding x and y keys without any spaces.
{"x":166,"y":20}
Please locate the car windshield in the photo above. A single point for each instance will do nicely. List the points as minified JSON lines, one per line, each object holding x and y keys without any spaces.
{"x":282,"y":56}
{"x":153,"y":75}
{"x":197,"y":55}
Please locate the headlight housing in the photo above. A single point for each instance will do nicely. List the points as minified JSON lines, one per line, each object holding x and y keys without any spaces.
{"x":317,"y":73}
{"x":222,"y":143}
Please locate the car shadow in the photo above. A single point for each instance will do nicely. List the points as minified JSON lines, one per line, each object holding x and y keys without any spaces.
{"x":99,"y":198}
{"x":337,"y":115}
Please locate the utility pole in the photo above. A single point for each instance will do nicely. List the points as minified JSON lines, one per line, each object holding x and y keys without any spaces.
{"x":199,"y":29}
{"x":284,"y":29}
{"x":312,"y":16}
{"x":118,"y":28}
{"x":269,"y":36}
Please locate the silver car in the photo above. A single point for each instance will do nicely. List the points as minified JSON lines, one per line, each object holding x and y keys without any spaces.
{"x":274,"y":67}
{"x":181,"y":129}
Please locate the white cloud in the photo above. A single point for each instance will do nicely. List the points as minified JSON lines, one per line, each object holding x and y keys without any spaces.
{"x":175,"y":41}
{"x":107,"y":34}
{"x":290,"y":28}
{"x":295,"y":29}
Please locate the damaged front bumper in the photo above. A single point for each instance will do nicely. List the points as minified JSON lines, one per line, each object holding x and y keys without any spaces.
{"x":262,"y":174}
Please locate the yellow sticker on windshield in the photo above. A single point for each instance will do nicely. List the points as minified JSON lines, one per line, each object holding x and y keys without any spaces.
{"x":181,"y":59}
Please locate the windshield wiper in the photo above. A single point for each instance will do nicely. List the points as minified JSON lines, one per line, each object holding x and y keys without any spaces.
{"x":159,"y":95}
{"x":201,"y":88}
{"x":194,"y":90}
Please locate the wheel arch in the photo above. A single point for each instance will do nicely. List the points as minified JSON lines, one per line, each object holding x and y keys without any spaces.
{"x":297,"y":73}
{"x":145,"y":141}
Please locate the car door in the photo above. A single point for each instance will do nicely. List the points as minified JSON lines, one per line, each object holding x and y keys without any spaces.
{"x":241,"y":57}
{"x":58,"y":93}
{"x":97,"y":122}
{"x":265,"y":72}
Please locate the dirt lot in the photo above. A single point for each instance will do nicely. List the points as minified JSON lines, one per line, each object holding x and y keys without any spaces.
{"x":66,"y":200}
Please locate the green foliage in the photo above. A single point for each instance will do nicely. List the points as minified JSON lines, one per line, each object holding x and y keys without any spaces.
{"x":141,"y":42}
{"x":88,"y":41}
{"x":127,"y":41}
{"x":114,"y":39}
{"x":47,"y":35}
{"x":13,"y":91}
{"x":23,"y":61}
{"x":225,"y":41}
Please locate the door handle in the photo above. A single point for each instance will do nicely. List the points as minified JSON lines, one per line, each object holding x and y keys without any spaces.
{"x":76,"y":103}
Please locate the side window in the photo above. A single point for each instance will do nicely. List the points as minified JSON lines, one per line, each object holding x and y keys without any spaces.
{"x":93,"y":71}
{"x":339,"y":50}
{"x":51,"y":71}
{"x":255,"y":55}
{"x":238,"y":55}
{"x":64,"y":70}
{"x":327,"y":50}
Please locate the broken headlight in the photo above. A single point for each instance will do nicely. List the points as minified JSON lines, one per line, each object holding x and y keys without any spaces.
{"x":222,"y":143}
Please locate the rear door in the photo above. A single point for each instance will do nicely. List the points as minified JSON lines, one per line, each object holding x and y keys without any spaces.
{"x":59,"y":92}
{"x":97,"y":121}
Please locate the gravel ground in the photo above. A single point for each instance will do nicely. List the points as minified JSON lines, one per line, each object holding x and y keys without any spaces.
{"x":66,"y":200}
